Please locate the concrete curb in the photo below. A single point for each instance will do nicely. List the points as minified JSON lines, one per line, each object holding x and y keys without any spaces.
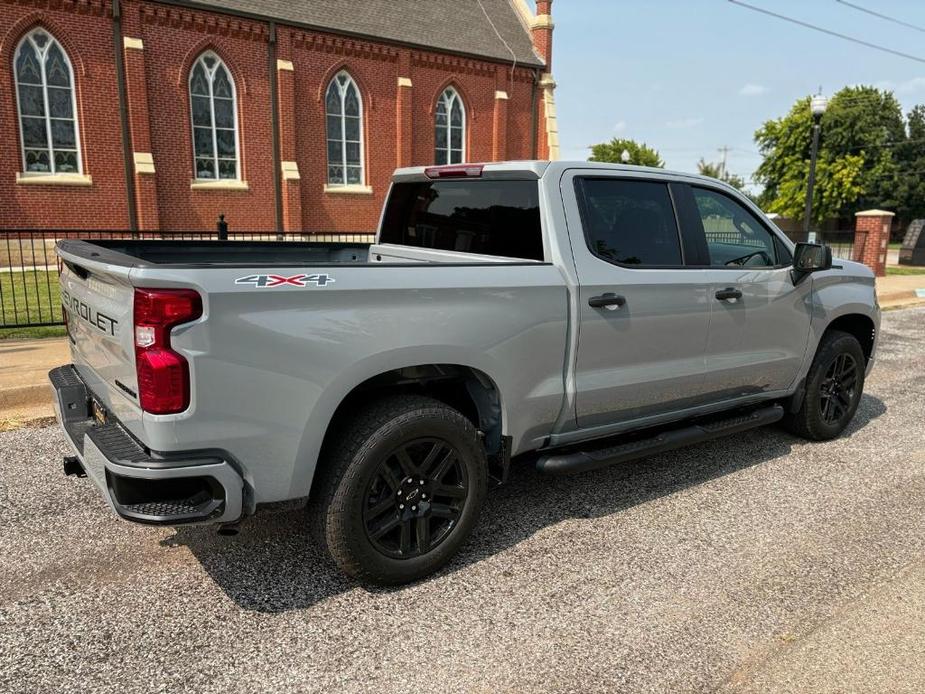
{"x":19,"y":397}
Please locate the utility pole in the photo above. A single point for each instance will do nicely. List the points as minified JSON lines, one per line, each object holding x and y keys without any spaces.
{"x":724,"y":150}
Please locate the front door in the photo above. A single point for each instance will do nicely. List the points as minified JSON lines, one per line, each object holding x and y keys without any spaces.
{"x":643,"y":317}
{"x":759,"y":324}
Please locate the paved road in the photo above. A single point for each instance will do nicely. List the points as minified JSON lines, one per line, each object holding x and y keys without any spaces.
{"x":757,"y":563}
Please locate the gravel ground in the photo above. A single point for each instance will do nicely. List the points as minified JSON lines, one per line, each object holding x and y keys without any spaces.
{"x":702,"y":569}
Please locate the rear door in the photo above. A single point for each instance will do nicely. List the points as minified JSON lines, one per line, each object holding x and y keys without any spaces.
{"x":643,"y":317}
{"x":759,"y":320}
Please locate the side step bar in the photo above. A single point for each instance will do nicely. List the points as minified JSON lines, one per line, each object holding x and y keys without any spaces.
{"x":581,"y":461}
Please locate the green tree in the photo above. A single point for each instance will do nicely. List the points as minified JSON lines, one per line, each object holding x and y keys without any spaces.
{"x":910,"y":159}
{"x":640,"y":153}
{"x":856,"y":166}
{"x":714,"y":170}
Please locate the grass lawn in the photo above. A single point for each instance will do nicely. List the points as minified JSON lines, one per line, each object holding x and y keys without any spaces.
{"x":32,"y":333}
{"x":905,"y":270}
{"x":29,"y":297}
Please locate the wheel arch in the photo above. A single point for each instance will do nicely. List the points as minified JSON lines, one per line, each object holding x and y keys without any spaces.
{"x":460,"y":383}
{"x":859,"y":325}
{"x":465,"y":388}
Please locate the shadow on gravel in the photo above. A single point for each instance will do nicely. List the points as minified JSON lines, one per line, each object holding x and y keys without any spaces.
{"x":273,"y":565}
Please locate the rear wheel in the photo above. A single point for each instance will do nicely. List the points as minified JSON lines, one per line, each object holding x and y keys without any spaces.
{"x":399,"y":490}
{"x":833,"y":390}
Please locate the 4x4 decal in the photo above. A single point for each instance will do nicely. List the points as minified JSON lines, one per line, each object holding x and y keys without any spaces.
{"x":302,"y":280}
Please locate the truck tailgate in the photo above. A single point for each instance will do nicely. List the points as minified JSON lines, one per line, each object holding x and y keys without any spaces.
{"x":98,"y":299}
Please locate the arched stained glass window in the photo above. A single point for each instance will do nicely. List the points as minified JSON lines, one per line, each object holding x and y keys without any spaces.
{"x":47,"y":107}
{"x":213,"y":102}
{"x":344,"y":110}
{"x":450,"y":128}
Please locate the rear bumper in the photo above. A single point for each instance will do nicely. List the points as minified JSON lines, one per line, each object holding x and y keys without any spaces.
{"x":141,"y":485}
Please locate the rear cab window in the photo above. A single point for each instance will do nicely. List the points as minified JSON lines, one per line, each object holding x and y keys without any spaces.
{"x":630,"y":222}
{"x":489,"y":217}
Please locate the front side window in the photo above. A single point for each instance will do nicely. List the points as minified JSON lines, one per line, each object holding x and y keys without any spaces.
{"x":450,"y":128}
{"x":215,"y":119}
{"x":344,"y":110}
{"x":499,"y":218}
{"x":734,"y":235}
{"x":47,"y":107}
{"x":630,"y":222}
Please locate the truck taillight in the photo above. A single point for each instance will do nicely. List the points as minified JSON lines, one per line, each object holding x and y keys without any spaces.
{"x":163,"y":375}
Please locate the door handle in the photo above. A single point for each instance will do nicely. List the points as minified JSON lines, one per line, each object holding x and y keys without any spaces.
{"x":607,"y":300}
{"x":728,"y":293}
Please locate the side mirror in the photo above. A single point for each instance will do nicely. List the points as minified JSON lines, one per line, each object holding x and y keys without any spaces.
{"x":810,"y":257}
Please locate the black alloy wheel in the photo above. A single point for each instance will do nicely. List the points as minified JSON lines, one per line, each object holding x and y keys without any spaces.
{"x":838,"y":388}
{"x":832,"y":389}
{"x":398,"y":489}
{"x":415,"y":498}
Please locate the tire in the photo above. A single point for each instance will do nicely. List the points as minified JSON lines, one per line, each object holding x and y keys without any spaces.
{"x":824,"y":412}
{"x":423,"y":518}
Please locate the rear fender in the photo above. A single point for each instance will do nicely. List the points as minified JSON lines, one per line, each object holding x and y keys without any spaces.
{"x":323,"y":411}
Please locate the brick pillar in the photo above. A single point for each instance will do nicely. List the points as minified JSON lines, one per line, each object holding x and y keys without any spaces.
{"x":499,"y":119}
{"x":404,"y":113}
{"x":871,"y":237}
{"x":541,"y":29}
{"x":291,"y":184}
{"x":136,"y":86}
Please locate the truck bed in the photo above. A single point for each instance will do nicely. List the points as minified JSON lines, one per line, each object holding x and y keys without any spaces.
{"x":201,"y":253}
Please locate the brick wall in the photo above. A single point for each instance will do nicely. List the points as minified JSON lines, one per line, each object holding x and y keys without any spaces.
{"x":162,"y":41}
{"x":84,"y":29}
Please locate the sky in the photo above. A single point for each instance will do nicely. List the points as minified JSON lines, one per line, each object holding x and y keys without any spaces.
{"x":689,"y":77}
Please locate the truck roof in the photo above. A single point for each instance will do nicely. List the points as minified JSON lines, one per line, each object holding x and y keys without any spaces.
{"x":530,"y":168}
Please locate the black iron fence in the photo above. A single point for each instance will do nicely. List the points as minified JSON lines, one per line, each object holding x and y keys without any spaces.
{"x":29,"y":294}
{"x":840,"y":241}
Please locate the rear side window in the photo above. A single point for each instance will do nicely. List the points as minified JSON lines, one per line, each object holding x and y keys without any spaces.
{"x":630,"y":222}
{"x":499,"y":218}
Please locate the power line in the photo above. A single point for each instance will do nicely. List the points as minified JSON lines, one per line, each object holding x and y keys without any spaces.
{"x":814,"y":27}
{"x":881,"y":16}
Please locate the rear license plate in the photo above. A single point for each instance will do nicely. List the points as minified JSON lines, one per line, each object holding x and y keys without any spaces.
{"x":99,"y":412}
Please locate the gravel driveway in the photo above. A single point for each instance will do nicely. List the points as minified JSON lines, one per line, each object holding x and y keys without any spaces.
{"x":709,"y":568}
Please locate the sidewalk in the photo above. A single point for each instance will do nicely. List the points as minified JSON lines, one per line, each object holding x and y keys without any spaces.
{"x":24,"y":364}
{"x":25,"y":395}
{"x":894,"y":291}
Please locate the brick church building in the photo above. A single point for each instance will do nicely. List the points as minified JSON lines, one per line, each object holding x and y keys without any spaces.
{"x":280,"y":114}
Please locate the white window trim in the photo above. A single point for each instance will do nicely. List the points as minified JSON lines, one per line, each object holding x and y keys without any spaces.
{"x":210,"y":75}
{"x":218,"y":184}
{"x":447,"y":96}
{"x":348,"y":189}
{"x":22,"y":142}
{"x":43,"y":178}
{"x":342,"y":88}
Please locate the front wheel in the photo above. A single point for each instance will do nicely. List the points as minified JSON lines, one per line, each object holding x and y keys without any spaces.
{"x":399,"y":490}
{"x":833,"y":390}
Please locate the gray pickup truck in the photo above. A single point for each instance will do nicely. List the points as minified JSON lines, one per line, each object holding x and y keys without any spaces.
{"x":565,"y":315}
